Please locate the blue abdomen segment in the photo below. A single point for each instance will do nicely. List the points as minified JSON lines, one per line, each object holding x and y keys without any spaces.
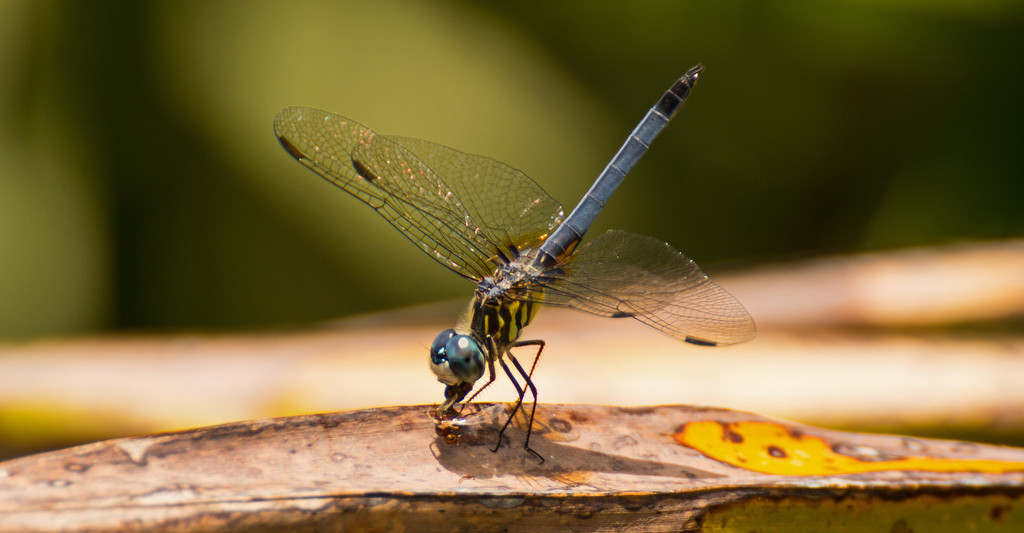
{"x":571,"y":230}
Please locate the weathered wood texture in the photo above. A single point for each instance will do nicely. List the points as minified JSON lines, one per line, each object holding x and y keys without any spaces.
{"x":605,"y":469}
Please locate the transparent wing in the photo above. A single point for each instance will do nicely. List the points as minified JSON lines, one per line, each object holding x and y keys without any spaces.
{"x":470,"y":213}
{"x":621,"y":274}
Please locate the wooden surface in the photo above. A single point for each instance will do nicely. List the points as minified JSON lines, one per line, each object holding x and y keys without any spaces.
{"x":605,"y":469}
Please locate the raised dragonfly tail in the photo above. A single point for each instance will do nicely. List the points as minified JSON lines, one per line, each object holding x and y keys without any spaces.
{"x":569,"y":233}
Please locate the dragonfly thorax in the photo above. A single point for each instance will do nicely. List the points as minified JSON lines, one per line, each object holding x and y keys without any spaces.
{"x":510,"y":277}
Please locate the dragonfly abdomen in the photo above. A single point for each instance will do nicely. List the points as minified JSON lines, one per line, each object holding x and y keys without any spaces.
{"x":569,"y":233}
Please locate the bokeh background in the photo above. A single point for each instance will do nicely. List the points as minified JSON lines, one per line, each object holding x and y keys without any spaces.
{"x":142,"y":188}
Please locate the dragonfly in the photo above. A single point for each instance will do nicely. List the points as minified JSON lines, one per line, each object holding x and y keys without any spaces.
{"x":493,"y":225}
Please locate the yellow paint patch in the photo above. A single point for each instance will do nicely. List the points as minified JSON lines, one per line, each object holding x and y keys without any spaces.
{"x":773,"y":448}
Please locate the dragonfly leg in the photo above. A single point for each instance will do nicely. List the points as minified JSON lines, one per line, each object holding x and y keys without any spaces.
{"x":519,"y":401}
{"x":529,"y":381}
{"x":527,"y":376}
{"x":540,"y":344}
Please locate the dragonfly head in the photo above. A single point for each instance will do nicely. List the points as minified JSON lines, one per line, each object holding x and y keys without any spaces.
{"x":456,"y":358}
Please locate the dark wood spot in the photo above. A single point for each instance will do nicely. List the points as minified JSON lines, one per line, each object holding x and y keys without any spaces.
{"x":731,"y":436}
{"x":625,"y":441}
{"x":998,"y":513}
{"x":560,"y":425}
{"x":327,"y":422}
{"x":578,"y":416}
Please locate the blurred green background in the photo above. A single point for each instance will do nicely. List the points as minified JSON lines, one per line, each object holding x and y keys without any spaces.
{"x":142,"y":188}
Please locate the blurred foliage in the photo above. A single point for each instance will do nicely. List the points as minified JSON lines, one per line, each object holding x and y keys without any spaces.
{"x":141,"y":186}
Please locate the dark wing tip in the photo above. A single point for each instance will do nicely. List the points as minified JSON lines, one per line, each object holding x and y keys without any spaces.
{"x":291,"y":148}
{"x":700,"y":342}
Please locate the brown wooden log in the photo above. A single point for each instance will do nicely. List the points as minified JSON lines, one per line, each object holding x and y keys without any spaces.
{"x":672,"y":468}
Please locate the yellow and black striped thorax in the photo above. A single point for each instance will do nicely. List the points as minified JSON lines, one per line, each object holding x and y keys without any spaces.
{"x":502,"y":319}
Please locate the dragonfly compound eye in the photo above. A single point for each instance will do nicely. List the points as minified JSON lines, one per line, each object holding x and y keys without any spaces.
{"x":465,"y":358}
{"x":438,"y":354}
{"x":456,"y":358}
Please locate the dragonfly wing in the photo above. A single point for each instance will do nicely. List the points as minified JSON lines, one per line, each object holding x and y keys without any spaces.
{"x":442,"y":214}
{"x":508,"y":205}
{"x":621,"y":274}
